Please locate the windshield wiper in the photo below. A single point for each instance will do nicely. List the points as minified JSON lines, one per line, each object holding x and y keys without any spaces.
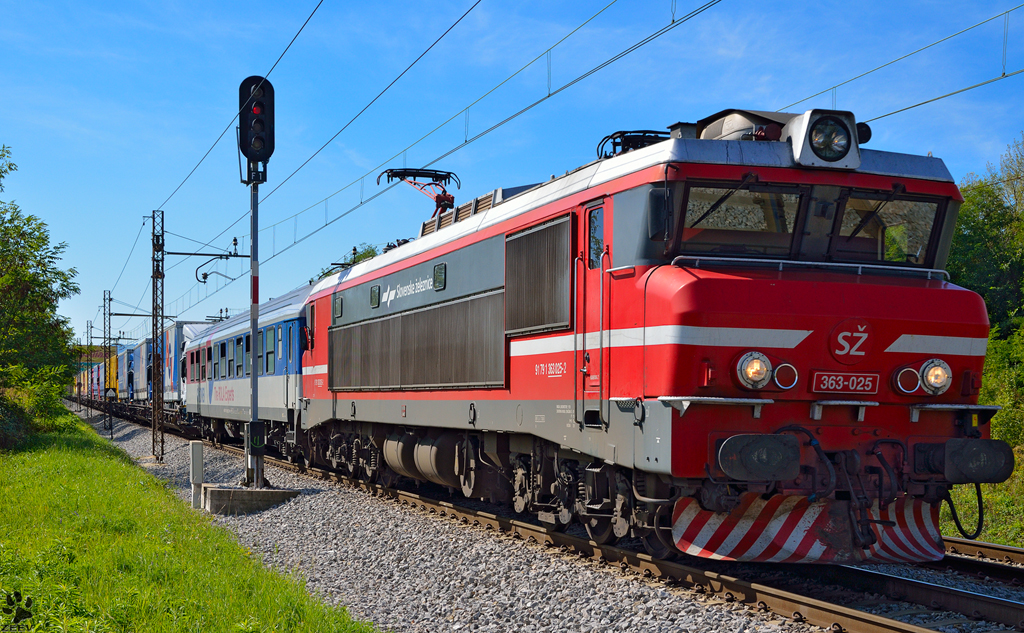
{"x":896,"y":190}
{"x":728,"y":194}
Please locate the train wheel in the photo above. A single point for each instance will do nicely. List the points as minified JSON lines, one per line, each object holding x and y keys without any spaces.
{"x":304,"y":445}
{"x":388,"y":477}
{"x":600,"y":529}
{"x":656,"y":548}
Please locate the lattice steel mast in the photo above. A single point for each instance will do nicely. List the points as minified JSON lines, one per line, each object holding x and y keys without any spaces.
{"x":158,"y":338}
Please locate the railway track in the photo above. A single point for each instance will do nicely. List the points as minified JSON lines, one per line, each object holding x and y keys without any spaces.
{"x":1004,"y":553}
{"x":781,"y":590}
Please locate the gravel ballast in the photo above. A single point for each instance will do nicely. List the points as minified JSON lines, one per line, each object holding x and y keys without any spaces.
{"x":406,"y":570}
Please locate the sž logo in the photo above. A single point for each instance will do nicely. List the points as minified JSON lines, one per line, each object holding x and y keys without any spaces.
{"x":850,"y":341}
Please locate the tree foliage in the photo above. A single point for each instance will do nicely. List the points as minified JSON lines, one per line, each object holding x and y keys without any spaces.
{"x":1003,"y":385}
{"x":32,"y":335}
{"x":987,"y":255}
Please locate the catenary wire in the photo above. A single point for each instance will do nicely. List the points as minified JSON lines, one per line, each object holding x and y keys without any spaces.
{"x":232,"y":121}
{"x":128,"y":259}
{"x":221,"y":136}
{"x":890,"y":63}
{"x":948,"y":94}
{"x":240,"y":218}
{"x":204,"y":245}
{"x":453,"y":117}
{"x":581,"y":77}
{"x":374,"y":100}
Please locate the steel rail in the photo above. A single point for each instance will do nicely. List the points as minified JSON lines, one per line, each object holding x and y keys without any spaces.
{"x":1004,"y":553}
{"x":973,"y":605}
{"x":765,"y":598}
{"x":979,"y":568}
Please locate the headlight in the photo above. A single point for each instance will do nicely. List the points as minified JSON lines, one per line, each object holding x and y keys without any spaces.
{"x":935,"y":376}
{"x":829,"y":138}
{"x":754,"y":370}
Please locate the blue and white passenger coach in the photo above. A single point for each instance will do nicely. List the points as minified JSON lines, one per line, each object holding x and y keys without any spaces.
{"x":216,"y":366}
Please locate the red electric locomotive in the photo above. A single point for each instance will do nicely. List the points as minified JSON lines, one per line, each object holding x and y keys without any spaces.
{"x":733,"y":340}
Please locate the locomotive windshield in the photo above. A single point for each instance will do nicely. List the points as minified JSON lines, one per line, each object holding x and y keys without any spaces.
{"x":876,"y":229}
{"x":819,"y":223}
{"x":743,"y":221}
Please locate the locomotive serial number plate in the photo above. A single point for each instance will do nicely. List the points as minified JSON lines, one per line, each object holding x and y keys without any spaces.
{"x":844,"y":382}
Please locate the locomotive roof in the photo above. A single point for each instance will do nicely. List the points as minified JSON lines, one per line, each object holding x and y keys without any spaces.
{"x":676,"y":150}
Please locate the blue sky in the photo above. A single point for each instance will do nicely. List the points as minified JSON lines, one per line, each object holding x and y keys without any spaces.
{"x":108,"y":106}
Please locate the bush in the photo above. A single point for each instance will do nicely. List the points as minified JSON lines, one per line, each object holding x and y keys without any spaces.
{"x":32,"y":403}
{"x":1003,"y":385}
{"x":14,"y":423}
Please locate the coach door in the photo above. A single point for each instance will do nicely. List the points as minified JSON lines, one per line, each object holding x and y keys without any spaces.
{"x":289,"y":355}
{"x":592,"y":314}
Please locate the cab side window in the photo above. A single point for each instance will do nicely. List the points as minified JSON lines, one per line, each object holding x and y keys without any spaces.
{"x":595,"y":231}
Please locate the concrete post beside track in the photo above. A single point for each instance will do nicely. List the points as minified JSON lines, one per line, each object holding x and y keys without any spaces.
{"x":195,"y":472}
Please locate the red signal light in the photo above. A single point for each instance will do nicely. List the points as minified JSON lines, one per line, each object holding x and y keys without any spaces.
{"x":256,"y":109}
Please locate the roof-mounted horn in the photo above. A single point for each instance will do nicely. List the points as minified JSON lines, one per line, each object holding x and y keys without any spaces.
{"x":743,"y":125}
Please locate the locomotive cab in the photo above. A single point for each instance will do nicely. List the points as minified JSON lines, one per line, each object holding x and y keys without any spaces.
{"x":822,"y":371}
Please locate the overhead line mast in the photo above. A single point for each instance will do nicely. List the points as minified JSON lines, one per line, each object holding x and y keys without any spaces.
{"x":108,"y":421}
{"x":158,"y":332}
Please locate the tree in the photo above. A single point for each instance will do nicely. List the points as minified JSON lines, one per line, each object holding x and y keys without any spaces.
{"x":32,"y":334}
{"x":988,"y":247}
{"x":986,"y":255}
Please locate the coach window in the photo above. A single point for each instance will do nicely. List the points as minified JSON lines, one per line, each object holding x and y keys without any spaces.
{"x":595,"y":222}
{"x":248,"y":356}
{"x":290,"y":331}
{"x":202,"y":370}
{"x":238,"y":357}
{"x":224,"y":364}
{"x":216,"y":362}
{"x":375,"y":296}
{"x":231,"y":357}
{"x":259,"y":353}
{"x":271,"y":334}
{"x":209,"y":362}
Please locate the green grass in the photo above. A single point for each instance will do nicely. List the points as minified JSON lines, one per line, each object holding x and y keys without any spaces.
{"x":1004,"y":508}
{"x":101,"y":545}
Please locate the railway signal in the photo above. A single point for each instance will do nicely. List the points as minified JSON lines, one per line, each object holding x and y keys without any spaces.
{"x":256,"y":142}
{"x":256,"y":125}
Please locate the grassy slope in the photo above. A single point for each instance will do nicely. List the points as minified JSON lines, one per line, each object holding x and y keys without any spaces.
{"x":102,"y":545}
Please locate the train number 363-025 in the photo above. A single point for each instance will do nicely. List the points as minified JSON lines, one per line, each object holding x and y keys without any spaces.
{"x":836,"y":382}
